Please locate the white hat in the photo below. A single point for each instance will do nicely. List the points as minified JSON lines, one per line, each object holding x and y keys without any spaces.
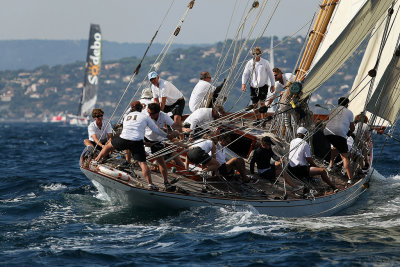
{"x":147,"y":93}
{"x":301,"y":130}
{"x":152,"y":75}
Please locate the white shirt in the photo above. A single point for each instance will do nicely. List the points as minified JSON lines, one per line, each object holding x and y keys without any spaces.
{"x":135,"y":124}
{"x":162,"y":120}
{"x":339,"y":124}
{"x":286,"y":77}
{"x":201,"y":89}
{"x":262,"y":72}
{"x":145,"y":102}
{"x":168,"y":90}
{"x":105,"y":130}
{"x":200,"y":117}
{"x":299,"y":151}
{"x":204,"y":144}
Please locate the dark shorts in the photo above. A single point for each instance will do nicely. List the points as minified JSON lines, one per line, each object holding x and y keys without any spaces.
{"x":300,"y":172}
{"x":155,"y":145}
{"x":136,"y":147}
{"x":176,"y":108}
{"x":198,"y":156}
{"x":268,"y":174}
{"x":339,"y":142}
{"x":258,"y":94}
{"x":96,"y":146}
{"x":223,"y":170}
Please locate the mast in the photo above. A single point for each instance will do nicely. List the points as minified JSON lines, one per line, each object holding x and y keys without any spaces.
{"x":316,"y":36}
{"x":92,"y":72}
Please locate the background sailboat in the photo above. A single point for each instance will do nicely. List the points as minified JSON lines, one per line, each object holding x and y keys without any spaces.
{"x":91,"y":81}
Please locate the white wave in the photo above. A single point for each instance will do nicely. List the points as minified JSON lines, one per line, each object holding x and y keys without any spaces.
{"x":162,"y":245}
{"x":53,"y":187}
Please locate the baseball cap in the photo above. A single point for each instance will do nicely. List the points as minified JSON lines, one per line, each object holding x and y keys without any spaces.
{"x":301,"y":130}
{"x":152,"y":75}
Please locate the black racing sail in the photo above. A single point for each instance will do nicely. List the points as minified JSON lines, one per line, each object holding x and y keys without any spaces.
{"x":92,"y":72}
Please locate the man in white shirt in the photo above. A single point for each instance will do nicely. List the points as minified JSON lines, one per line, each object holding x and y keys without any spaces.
{"x":281,"y":80}
{"x":260,"y":71}
{"x":341,"y":121}
{"x":168,"y":96}
{"x":99,"y":132}
{"x":131,"y":138}
{"x":199,"y":154}
{"x":227,"y":168}
{"x":155,"y":141}
{"x":146,"y":98}
{"x":300,"y":155}
{"x":200,"y":120}
{"x":203,"y":91}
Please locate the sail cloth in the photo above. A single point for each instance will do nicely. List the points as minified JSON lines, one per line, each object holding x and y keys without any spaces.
{"x":385,"y":100}
{"x":346,"y":43}
{"x":385,"y":78}
{"x":92,"y":72}
{"x":343,"y":14}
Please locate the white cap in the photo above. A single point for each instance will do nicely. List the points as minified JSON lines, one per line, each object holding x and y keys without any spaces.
{"x":301,"y":130}
{"x":152,"y":75}
{"x":147,"y":93}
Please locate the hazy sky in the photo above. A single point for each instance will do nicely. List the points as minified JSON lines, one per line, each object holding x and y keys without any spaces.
{"x":136,"y":21}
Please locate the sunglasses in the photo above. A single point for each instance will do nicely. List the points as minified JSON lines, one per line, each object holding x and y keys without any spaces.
{"x":98,"y":116}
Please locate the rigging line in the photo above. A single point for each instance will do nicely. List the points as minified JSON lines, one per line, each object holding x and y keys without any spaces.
{"x":391,"y":66}
{"x":167,"y":45}
{"x":240,"y":51}
{"x":226,"y":38}
{"x":381,"y":47}
{"x":304,"y":42}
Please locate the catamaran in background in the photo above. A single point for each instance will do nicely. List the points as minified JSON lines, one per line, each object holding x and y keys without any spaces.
{"x":91,"y":81}
{"x":350,"y":24}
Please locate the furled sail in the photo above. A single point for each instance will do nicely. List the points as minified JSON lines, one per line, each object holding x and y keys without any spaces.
{"x":92,"y":72}
{"x":346,"y":43}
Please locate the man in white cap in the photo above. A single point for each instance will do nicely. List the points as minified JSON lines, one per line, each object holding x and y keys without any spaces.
{"x":168,"y":96}
{"x":146,"y":98}
{"x":300,"y":155}
{"x":259,"y":71}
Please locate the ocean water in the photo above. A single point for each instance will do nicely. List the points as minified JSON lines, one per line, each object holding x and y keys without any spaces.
{"x":50,"y":214}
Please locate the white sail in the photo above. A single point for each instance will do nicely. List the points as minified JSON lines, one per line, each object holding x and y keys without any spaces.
{"x":344,"y":13}
{"x":385,"y":101}
{"x":345,"y":44}
{"x":361,"y":84}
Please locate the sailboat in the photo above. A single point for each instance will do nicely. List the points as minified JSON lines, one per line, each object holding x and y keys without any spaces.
{"x":358,"y":21}
{"x":91,"y":81}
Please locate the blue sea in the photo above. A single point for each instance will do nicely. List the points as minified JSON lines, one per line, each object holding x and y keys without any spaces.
{"x":51,"y":215}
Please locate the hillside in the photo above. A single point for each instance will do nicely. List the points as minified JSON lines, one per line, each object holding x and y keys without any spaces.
{"x":29,"y":54}
{"x":32,"y":94}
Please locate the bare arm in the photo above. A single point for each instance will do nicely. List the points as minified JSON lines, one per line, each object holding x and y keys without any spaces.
{"x":162,"y":105}
{"x":96,"y":140}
